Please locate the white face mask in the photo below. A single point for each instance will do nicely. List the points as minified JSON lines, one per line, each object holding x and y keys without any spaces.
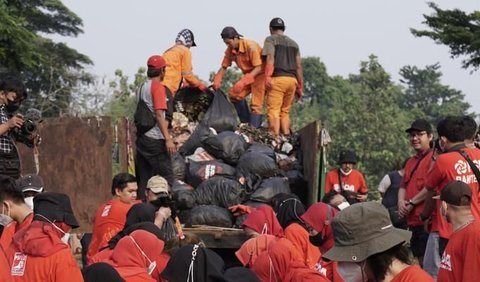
{"x":152,"y":264}
{"x":5,"y":218}
{"x":65,"y":238}
{"x":29,"y":202}
{"x":352,"y":271}
{"x":343,"y":205}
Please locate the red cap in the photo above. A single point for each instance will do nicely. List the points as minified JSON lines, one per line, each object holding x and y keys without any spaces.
{"x":156,"y":62}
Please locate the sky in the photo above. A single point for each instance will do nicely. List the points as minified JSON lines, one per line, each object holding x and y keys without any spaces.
{"x":123,"y":34}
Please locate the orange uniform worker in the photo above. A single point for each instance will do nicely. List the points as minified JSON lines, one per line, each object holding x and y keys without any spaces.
{"x":179,"y":63}
{"x":39,"y":252}
{"x":110,"y":217}
{"x":346,"y":178}
{"x":283,"y":76}
{"x":247,"y":55}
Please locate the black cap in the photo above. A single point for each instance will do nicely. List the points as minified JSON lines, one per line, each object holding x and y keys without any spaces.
{"x":277,"y":22}
{"x":456,"y":193}
{"x":54,"y":206}
{"x":347,"y":156}
{"x":30,"y":182}
{"x":420,"y":125}
{"x":229,"y":32}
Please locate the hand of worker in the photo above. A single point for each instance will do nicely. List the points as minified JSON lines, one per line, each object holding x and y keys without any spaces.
{"x":268,"y":83}
{"x":361,"y":197}
{"x":244,"y":81}
{"x":170,"y":145}
{"x":238,"y":210}
{"x":161,"y":215}
{"x":299,"y":90}
{"x":269,"y":68}
{"x":15,"y":121}
{"x":202,"y":87}
{"x":217,"y":81}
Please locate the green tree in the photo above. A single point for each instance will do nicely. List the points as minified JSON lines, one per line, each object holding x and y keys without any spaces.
{"x":427,"y":97}
{"x":456,"y":29}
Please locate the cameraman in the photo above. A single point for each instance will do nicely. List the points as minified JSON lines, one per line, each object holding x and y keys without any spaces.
{"x":12,"y":93}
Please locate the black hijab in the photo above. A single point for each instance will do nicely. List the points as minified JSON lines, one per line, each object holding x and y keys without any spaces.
{"x":288,"y":209}
{"x":240,"y":274}
{"x":101,"y":272}
{"x":147,"y":226}
{"x":207,"y":266}
{"x":140,"y":212}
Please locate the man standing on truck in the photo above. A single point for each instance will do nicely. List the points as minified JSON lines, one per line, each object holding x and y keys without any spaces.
{"x":247,"y":55}
{"x":346,"y":180}
{"x":283,"y":76}
{"x":179,"y":63}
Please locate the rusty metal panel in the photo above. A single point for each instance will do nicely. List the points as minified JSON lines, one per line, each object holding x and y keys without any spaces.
{"x":309,"y":138}
{"x":75,"y":158}
{"x":125,"y":125}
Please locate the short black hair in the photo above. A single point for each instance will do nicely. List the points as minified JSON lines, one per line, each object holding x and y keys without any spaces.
{"x":9,"y":191}
{"x":379,"y":263}
{"x":452,"y":127}
{"x":155,"y":72}
{"x":13,"y":84}
{"x":121,"y":180}
{"x":470,"y":127}
{"x":329,"y":196}
{"x":278,"y":28}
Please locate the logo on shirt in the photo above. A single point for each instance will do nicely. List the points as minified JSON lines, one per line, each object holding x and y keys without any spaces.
{"x":461,"y":167}
{"x":464,"y":172}
{"x":18,"y":265}
{"x":320,"y":269}
{"x":446,"y":262}
{"x":106,"y":210}
{"x":345,"y":187}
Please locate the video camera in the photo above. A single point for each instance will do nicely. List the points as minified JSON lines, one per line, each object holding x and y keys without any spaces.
{"x":27,"y":133}
{"x":165,"y":200}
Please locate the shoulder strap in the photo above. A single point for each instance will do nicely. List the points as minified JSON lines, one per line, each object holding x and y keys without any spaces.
{"x":340,"y":181}
{"x":415,"y":168}
{"x":475,"y":169}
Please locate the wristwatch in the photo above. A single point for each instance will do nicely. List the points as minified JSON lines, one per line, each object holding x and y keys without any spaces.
{"x":410,"y":202}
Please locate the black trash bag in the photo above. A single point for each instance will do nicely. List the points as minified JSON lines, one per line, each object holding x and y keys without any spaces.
{"x":201,"y":171}
{"x":219,"y":191}
{"x":179,"y":167}
{"x":240,"y":219}
{"x":179,"y":185}
{"x":169,"y":229}
{"x":221,"y":115}
{"x":298,"y":184}
{"x":208,"y":215}
{"x":226,"y":146}
{"x":258,"y":164}
{"x":269,"y":188}
{"x":200,"y":133}
{"x":192,"y":102}
{"x":261,"y":149}
{"x":184,"y":199}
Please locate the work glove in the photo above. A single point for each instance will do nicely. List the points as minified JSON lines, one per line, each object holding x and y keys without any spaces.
{"x":268,"y":76}
{"x":299,"y":90}
{"x":217,"y":81}
{"x":238,"y":210}
{"x":202,"y":87}
{"x":244,"y":81}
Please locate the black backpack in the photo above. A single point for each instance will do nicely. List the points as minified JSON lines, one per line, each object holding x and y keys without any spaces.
{"x":145,"y":119}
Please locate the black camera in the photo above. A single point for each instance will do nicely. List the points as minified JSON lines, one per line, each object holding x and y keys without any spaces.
{"x":27,"y":133}
{"x":165,"y":200}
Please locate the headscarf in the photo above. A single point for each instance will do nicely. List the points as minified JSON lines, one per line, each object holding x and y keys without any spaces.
{"x":288,"y":209}
{"x":135,"y":253}
{"x":101,"y":272}
{"x":147,"y":226}
{"x":250,"y":249}
{"x":185,"y":36}
{"x":264,"y":221}
{"x":140,"y":212}
{"x":194,"y":263}
{"x":40,"y":239}
{"x":304,"y":250}
{"x":319,"y":216}
{"x":240,"y":274}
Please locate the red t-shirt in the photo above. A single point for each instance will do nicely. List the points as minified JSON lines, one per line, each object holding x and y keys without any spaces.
{"x":414,"y":181}
{"x":159,"y":95}
{"x":412,"y":273}
{"x":460,"y":260}
{"x":352,"y":182}
{"x":449,"y":167}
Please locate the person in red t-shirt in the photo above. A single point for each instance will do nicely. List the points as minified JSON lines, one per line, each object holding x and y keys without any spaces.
{"x":420,"y":135}
{"x":346,"y":180}
{"x":16,"y":215}
{"x":155,"y":146}
{"x":110,"y":217}
{"x":462,"y":254}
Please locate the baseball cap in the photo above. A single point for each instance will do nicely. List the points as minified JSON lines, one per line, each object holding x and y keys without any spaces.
{"x":362,"y":230}
{"x":186,"y":36}
{"x":157,"y":184}
{"x":229,"y":32}
{"x":156,"y":62}
{"x":347,"y":156}
{"x":30,"y":182}
{"x":455,"y":193}
{"x":56,"y":207}
{"x":277,"y":22}
{"x":420,"y":125}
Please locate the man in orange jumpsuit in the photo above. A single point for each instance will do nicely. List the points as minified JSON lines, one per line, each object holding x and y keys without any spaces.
{"x":283,"y":76}
{"x":179,"y":63}
{"x":39,"y":252}
{"x":247,"y":55}
{"x":110,"y":217}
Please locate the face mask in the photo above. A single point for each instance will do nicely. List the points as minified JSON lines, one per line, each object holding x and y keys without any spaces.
{"x":65,"y":238}
{"x":152,"y":264}
{"x":317,"y":240}
{"x":12,"y":107}
{"x":5,"y":219}
{"x":29,"y":202}
{"x":352,"y":271}
{"x":343,"y":205}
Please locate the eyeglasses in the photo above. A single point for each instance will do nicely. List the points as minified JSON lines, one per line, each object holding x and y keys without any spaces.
{"x":416,"y":134}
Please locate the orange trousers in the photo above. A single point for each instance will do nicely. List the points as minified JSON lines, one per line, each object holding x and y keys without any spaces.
{"x":279,"y":102}
{"x":257,"y":88}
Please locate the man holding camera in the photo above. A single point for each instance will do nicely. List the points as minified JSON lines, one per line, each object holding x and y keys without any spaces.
{"x":12,"y":93}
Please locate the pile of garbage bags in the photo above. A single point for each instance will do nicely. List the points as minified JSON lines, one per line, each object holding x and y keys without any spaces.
{"x":220,"y":163}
